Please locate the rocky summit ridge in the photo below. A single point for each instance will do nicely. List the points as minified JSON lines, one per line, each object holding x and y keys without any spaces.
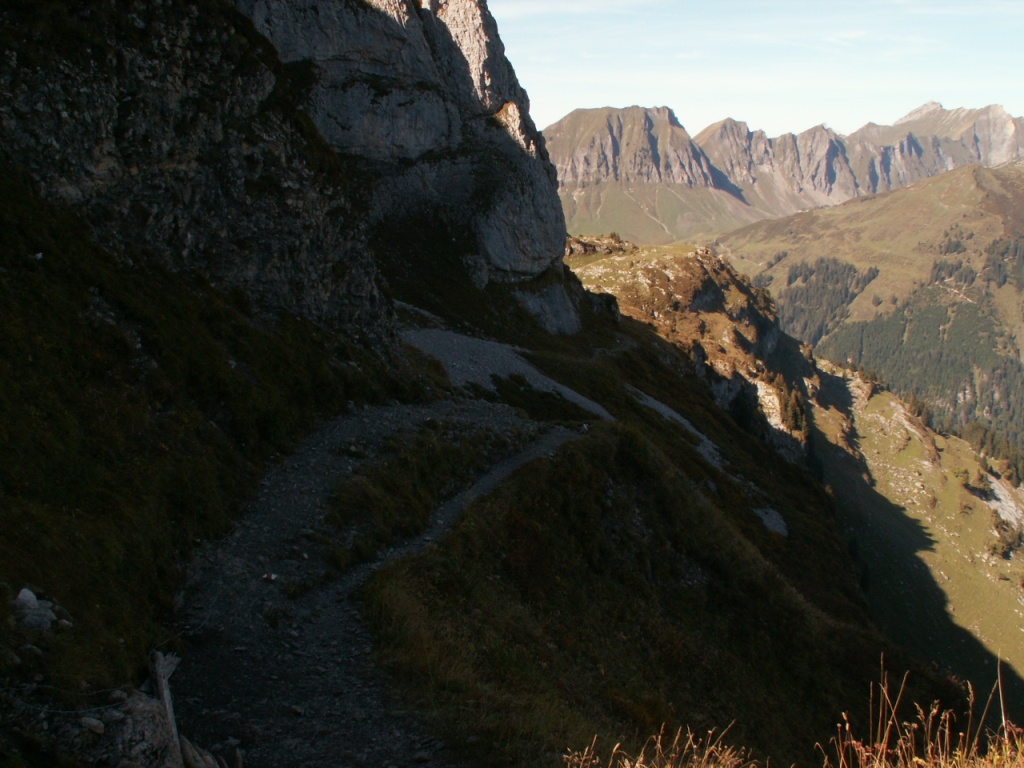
{"x":748,"y":176}
{"x":633,"y":145}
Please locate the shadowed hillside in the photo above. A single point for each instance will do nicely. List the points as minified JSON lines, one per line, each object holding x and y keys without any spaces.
{"x":928,"y":539}
{"x":299,"y":400}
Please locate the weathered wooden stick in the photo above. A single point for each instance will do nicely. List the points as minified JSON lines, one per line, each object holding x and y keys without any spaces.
{"x":162,"y":667}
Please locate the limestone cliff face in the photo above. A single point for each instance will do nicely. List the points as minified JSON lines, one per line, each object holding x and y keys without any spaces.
{"x":264,"y":145}
{"x":628,"y":146}
{"x":743,"y":155}
{"x":425,"y":91}
{"x":931,"y":140}
{"x":168,"y":128}
{"x":819,"y":167}
{"x":791,"y":171}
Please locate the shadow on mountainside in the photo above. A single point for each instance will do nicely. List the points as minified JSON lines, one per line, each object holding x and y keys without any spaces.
{"x":278,"y":656}
{"x":905,"y":600}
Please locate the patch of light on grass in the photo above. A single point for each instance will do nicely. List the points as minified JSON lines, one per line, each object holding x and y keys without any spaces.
{"x":707,"y":448}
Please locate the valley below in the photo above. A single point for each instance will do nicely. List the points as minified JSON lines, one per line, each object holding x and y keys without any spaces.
{"x":927,"y":517}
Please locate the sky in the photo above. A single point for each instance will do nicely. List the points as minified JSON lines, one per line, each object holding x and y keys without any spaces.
{"x":779,"y":65}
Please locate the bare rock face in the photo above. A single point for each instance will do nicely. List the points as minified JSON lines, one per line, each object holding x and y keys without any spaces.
{"x":170,"y":137}
{"x":553,"y":308}
{"x":931,"y":140}
{"x":428,"y":95}
{"x":743,"y":155}
{"x":264,"y":152}
{"x":789,"y":172}
{"x":375,"y":89}
{"x":628,"y":146}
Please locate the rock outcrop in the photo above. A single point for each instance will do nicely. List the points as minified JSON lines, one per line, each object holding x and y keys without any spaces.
{"x":931,"y":140}
{"x":700,"y":303}
{"x":262,"y":147}
{"x":795,"y":171}
{"x":168,"y":128}
{"x":427,"y":94}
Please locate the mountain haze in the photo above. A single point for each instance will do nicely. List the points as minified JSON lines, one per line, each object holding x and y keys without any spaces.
{"x":748,"y":176}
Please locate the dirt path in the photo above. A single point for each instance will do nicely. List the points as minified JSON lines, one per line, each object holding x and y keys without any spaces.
{"x":278,"y":659}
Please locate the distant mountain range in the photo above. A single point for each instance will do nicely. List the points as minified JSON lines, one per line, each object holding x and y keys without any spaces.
{"x":637,"y":171}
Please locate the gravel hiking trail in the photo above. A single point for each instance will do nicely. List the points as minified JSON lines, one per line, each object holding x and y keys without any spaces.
{"x":278,"y":661}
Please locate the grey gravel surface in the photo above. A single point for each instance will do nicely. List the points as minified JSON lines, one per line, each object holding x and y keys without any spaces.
{"x":278,"y":659}
{"x":469,"y":360}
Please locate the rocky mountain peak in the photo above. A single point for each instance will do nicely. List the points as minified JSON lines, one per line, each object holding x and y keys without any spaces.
{"x":492,"y":83}
{"x":666,"y":114}
{"x":928,"y":108}
{"x":763,"y":177}
{"x":632,"y":145}
{"x":728,"y":128}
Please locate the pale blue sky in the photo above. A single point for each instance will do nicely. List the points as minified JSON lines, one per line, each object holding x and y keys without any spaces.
{"x":779,"y":65}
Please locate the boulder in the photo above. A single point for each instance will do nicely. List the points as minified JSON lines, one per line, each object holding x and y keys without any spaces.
{"x":32,"y":613}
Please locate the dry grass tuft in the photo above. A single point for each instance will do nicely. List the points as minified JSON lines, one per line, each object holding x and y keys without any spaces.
{"x":931,"y":739}
{"x":685,"y":751}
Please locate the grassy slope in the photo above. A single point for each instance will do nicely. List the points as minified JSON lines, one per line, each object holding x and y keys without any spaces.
{"x":136,"y":411}
{"x":627,"y":583}
{"x":923,"y":538}
{"x":903,"y":235}
{"x":652,"y":213}
{"x":895,"y":232}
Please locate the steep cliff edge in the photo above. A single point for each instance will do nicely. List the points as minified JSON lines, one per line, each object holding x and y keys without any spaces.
{"x":933,"y":524}
{"x":791,"y":171}
{"x":183,"y":130}
{"x":728,"y":327}
{"x":632,"y":146}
